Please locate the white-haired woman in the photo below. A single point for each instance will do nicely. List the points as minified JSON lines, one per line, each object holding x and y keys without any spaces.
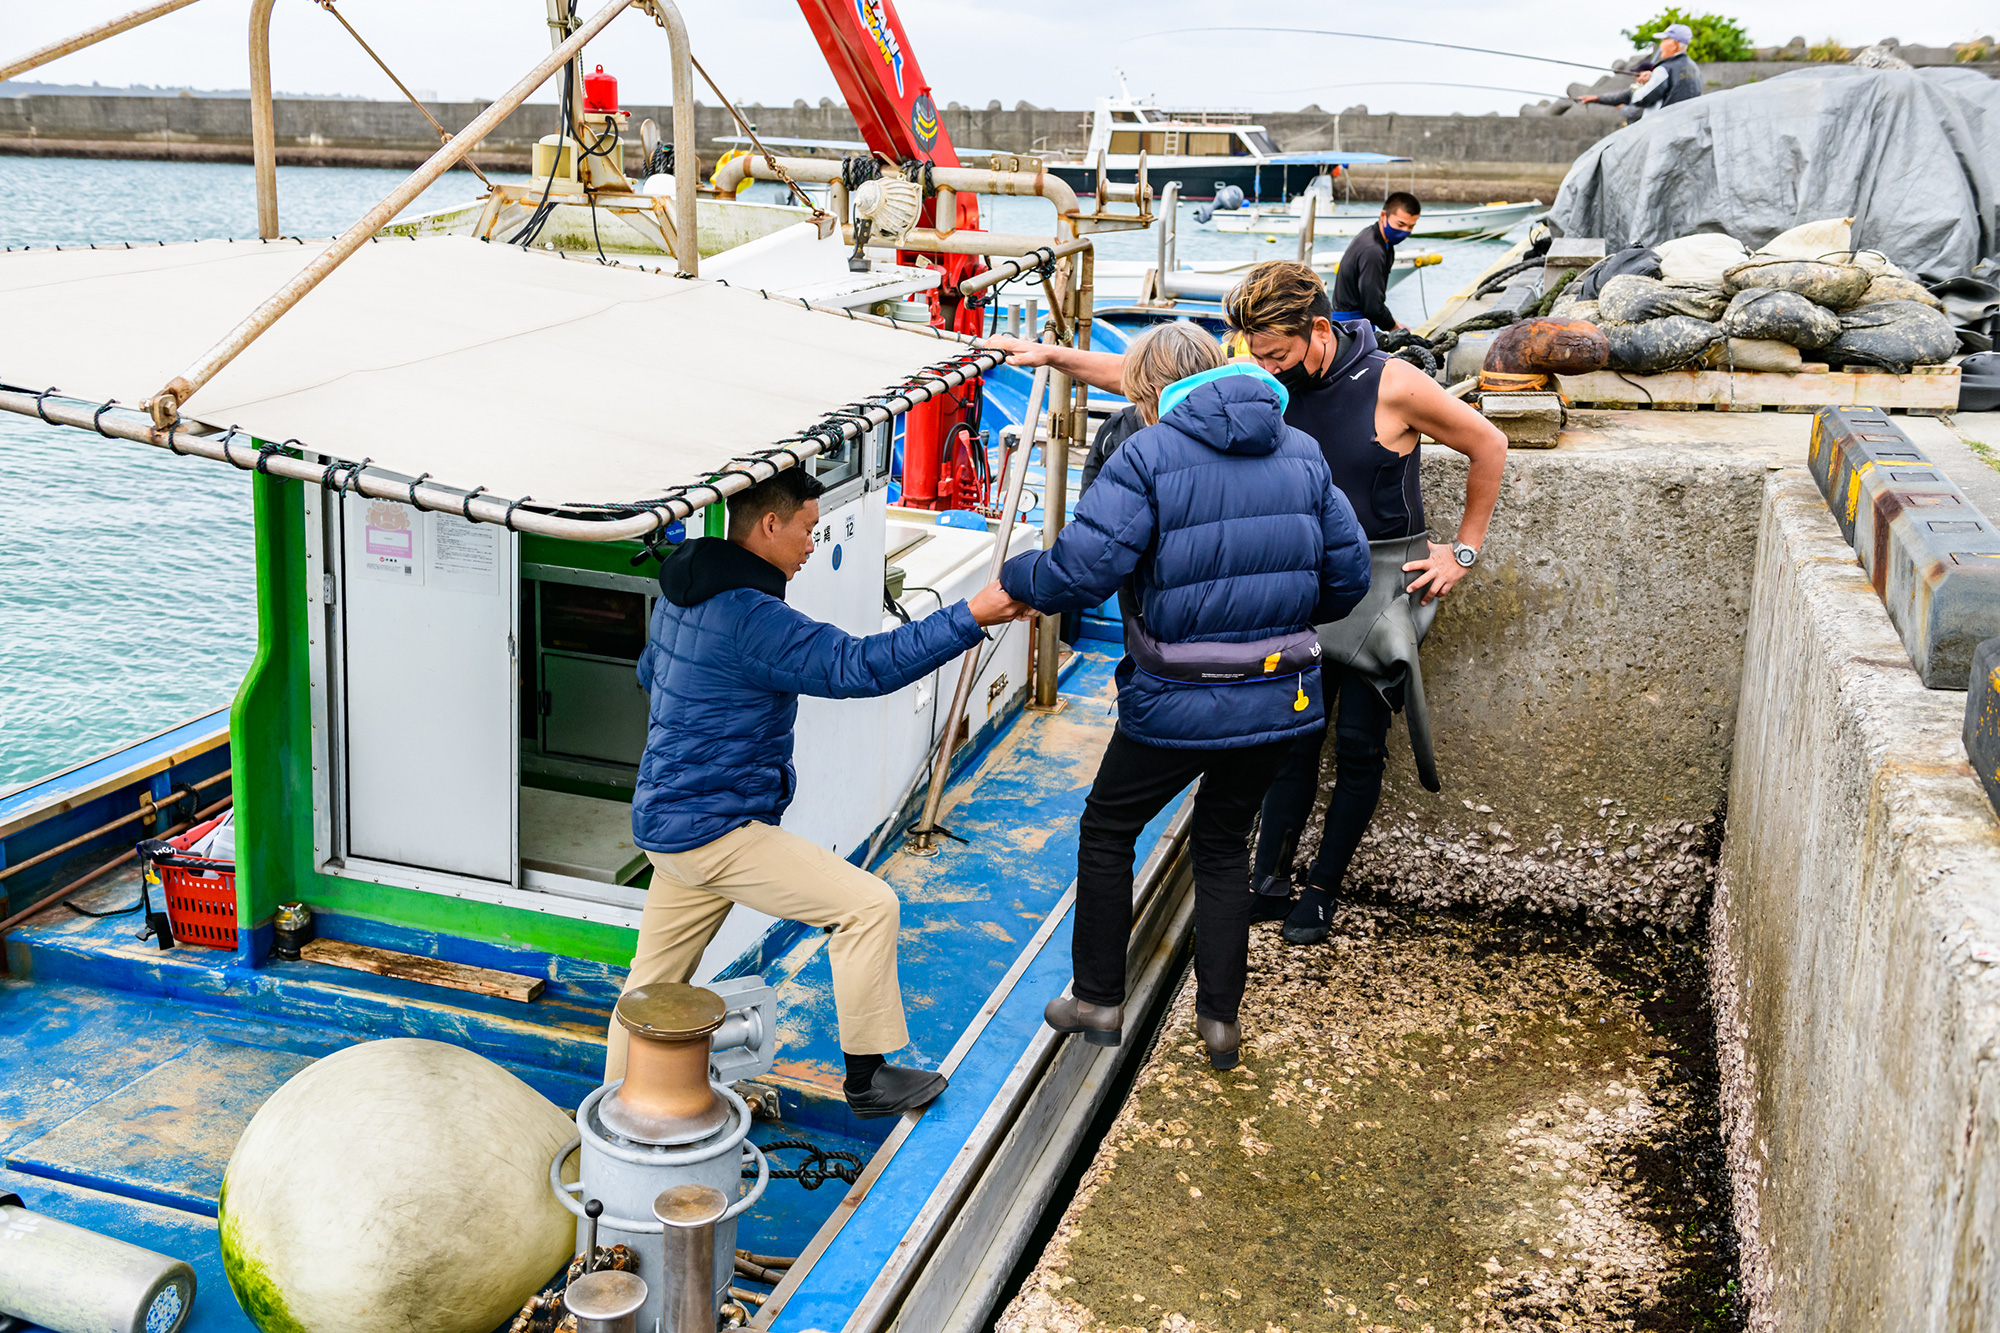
{"x":1225,"y":529}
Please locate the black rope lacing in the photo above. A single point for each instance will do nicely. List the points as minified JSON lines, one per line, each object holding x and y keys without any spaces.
{"x":97,"y":417}
{"x":858,"y":171}
{"x":819,"y":1165}
{"x":413,"y":490}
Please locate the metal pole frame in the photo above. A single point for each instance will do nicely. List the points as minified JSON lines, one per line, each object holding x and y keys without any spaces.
{"x":165,"y":404}
{"x":42,"y":55}
{"x":263,"y":120}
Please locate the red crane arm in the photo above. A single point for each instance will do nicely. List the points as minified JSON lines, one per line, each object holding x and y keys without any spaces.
{"x":871,"y":59}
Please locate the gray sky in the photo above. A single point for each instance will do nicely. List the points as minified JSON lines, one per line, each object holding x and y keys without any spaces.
{"x":1047,"y":52}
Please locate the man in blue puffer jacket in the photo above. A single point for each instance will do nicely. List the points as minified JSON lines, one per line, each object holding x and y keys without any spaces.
{"x":726,"y":664}
{"x":1237,"y":543}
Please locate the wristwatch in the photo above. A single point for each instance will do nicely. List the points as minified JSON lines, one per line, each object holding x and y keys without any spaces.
{"x":1465,"y":555}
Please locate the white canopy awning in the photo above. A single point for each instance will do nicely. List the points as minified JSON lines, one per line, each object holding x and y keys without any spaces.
{"x":522,"y":373}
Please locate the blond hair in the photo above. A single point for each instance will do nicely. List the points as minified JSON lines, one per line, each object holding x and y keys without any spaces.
{"x":1160,"y":356}
{"x":1280,"y":296}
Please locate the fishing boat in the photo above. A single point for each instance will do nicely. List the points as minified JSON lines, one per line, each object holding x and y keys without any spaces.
{"x":1479,"y":222}
{"x":1205,"y":151}
{"x":466,"y":460}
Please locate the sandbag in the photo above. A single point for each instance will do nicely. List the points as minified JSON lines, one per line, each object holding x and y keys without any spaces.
{"x":1760,"y":354}
{"x":1548,"y":346}
{"x":1633,"y":259}
{"x":1702,"y":257}
{"x":1832,"y":284}
{"x":1887,"y":288}
{"x":1631,"y":299}
{"x":1767,"y":313}
{"x":1586,"y":311}
{"x":1812,"y":240}
{"x":1895,"y":334}
{"x":1659,"y":344}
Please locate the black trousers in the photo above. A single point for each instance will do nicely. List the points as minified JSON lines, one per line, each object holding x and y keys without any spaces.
{"x":1134,"y":783}
{"x":1360,"y":736}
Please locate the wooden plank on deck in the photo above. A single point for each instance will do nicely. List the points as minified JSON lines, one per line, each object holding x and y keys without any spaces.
{"x":429,"y":971}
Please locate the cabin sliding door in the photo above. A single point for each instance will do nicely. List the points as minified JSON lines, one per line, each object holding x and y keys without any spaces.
{"x":430,"y":708}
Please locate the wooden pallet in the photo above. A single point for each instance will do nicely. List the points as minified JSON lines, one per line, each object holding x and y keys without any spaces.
{"x":1927,"y":391}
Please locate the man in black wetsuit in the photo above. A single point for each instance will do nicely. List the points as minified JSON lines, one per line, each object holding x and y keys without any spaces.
{"x":1361,"y":283}
{"x":1368,"y":411}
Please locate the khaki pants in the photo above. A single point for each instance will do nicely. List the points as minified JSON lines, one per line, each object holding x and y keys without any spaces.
{"x":779,"y":873}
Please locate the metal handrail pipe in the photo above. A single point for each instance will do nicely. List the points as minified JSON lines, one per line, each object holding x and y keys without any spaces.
{"x":379,"y":484}
{"x":90,"y":37}
{"x":925,"y":834}
{"x":959,"y":243}
{"x":61,"y":895}
{"x":965,"y":180}
{"x":687,"y":166}
{"x":263,"y":120}
{"x":148,"y":809}
{"x":165,"y":405}
{"x":1009,"y":269}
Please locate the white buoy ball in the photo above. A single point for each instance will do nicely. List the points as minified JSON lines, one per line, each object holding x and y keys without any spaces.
{"x":392,"y":1186}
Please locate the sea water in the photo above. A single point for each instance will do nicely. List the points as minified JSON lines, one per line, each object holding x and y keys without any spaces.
{"x":127,"y":587}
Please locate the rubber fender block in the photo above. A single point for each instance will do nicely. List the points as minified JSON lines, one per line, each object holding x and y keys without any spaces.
{"x":1850,"y":440}
{"x":1884,"y":493}
{"x":1941,"y":586}
{"x":1982,"y":719}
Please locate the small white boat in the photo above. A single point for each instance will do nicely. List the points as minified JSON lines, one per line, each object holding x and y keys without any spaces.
{"x":1471,"y":223}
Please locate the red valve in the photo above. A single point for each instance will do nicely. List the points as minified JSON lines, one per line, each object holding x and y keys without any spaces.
{"x":600,"y":92}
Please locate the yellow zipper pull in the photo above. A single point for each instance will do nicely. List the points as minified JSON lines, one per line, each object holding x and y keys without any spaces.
{"x":1300,"y":704}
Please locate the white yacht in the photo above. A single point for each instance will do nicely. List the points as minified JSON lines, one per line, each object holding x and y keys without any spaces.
{"x":1205,"y":150}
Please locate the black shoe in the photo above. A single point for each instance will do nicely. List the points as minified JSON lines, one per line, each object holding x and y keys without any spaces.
{"x":1222,"y":1039}
{"x":1311,"y":920}
{"x":895,"y":1090}
{"x":1100,"y":1024}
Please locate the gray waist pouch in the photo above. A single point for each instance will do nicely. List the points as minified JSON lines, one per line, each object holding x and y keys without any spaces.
{"x":1379,"y":639}
{"x":1216,"y":663}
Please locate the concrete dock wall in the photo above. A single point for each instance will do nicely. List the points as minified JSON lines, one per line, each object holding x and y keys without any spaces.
{"x":1500,"y":151}
{"x":1583,"y":680}
{"x":1857,"y":961}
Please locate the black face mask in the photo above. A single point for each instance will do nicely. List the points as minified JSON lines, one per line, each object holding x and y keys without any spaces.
{"x":1296,"y":377}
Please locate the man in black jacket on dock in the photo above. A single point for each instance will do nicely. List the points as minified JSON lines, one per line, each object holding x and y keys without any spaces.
{"x":1361,"y":284}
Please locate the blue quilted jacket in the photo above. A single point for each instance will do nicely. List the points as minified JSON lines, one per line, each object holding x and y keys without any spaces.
{"x":1228,"y":521}
{"x":726,"y":663}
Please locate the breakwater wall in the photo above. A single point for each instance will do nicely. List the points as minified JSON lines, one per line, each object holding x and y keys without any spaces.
{"x":316,"y":132}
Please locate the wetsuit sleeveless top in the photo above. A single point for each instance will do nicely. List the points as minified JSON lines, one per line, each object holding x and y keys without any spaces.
{"x":1338,"y":411}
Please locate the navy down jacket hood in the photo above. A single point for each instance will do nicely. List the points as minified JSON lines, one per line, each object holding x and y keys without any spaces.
{"x":726,"y":663}
{"x":1228,"y":523}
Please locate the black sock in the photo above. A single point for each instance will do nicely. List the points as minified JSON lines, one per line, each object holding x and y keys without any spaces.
{"x":861,"y":1070}
{"x":1315,"y":907}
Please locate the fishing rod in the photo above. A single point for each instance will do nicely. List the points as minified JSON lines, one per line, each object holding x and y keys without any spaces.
{"x":1376,"y":37}
{"x":1414,"y":83}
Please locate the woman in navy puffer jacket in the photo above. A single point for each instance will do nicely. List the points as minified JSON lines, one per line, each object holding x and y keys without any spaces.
{"x":1227,"y":522}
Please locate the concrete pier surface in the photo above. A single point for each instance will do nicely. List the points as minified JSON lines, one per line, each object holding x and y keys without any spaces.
{"x":1667,"y":702}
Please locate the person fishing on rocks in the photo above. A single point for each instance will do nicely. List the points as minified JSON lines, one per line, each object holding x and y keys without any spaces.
{"x":726,"y":661}
{"x":1669,"y":77}
{"x":1367,"y":412}
{"x":1220,"y":528}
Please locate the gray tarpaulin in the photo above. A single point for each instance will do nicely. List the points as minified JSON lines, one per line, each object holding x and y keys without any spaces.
{"x":1913,"y":159}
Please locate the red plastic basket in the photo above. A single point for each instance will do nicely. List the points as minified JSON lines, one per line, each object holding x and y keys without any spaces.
{"x":201,"y":894}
